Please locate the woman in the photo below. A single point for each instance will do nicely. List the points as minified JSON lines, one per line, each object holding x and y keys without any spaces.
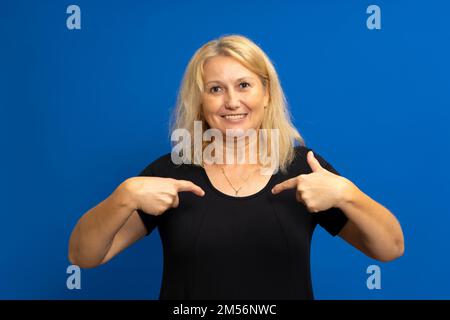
{"x":228,"y":230}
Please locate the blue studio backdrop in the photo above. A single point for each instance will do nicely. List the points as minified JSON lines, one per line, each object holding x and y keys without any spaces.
{"x":84,"y":109}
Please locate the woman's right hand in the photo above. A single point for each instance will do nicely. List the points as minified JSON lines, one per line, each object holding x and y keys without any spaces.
{"x":155,"y":195}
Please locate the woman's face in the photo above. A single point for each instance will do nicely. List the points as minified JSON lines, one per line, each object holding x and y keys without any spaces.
{"x":234,"y":97}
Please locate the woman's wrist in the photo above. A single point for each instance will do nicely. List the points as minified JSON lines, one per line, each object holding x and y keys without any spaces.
{"x":348,"y":192}
{"x":126,"y":195}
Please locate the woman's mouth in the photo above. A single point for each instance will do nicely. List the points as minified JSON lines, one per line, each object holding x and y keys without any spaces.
{"x":234,"y":117}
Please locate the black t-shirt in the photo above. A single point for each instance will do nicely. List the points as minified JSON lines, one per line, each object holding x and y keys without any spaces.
{"x":224,"y":247}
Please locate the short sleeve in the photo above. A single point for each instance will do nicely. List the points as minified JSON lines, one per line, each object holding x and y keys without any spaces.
{"x":333,"y":219}
{"x":150,"y":221}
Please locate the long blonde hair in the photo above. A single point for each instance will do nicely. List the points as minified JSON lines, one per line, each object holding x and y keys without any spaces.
{"x":251,"y":56}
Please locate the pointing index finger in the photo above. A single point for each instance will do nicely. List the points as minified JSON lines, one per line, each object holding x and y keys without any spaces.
{"x":288,"y":184}
{"x":185,"y":185}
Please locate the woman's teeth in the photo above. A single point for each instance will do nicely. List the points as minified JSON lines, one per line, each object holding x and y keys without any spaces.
{"x":235,"y":116}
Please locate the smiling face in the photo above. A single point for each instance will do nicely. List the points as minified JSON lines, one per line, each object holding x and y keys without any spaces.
{"x":233,"y":97}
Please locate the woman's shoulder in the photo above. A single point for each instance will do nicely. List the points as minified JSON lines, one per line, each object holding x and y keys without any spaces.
{"x":300,"y":162}
{"x":301,"y":150}
{"x":160,"y":166}
{"x":165,"y":166}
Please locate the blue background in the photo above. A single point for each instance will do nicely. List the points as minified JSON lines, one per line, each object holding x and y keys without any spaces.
{"x":82,"y":110}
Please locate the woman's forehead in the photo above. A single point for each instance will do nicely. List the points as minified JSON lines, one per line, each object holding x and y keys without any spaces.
{"x":221,"y":68}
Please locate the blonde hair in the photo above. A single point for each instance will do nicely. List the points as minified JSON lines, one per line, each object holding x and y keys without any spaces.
{"x":188,"y":107}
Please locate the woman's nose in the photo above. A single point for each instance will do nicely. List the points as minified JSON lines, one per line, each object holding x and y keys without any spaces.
{"x":232,"y":100}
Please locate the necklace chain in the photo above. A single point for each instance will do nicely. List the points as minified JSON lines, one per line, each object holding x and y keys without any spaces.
{"x":236,"y":191}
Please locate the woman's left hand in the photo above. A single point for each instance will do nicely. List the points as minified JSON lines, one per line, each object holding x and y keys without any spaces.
{"x":319,"y":190}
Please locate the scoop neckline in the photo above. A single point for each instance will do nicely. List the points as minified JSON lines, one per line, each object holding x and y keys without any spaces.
{"x":224,"y":195}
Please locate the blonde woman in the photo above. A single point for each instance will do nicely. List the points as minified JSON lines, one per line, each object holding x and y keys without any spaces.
{"x":229,"y":230}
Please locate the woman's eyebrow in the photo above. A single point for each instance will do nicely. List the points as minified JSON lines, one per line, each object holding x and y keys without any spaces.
{"x":237,"y":80}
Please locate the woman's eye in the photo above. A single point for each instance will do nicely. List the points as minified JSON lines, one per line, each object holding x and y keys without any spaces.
{"x":214,"y":89}
{"x":245,"y":84}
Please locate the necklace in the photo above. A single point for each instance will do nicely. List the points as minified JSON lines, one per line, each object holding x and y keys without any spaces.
{"x":236,"y":191}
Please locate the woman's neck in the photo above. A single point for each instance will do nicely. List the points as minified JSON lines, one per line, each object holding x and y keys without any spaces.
{"x":234,"y":151}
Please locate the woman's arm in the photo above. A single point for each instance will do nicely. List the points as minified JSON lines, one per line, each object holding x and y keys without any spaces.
{"x":106,"y":229}
{"x":371,"y":228}
{"x":114,"y":223}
